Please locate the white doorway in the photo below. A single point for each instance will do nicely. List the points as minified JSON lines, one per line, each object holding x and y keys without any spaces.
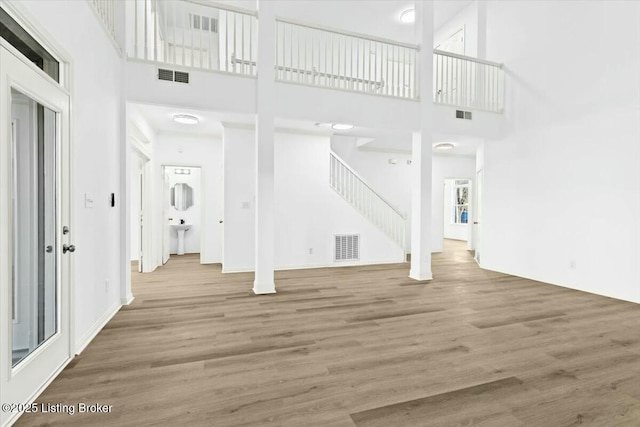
{"x":36,"y":234}
{"x":183,"y":210}
{"x":477,"y":222}
{"x":139,"y":193}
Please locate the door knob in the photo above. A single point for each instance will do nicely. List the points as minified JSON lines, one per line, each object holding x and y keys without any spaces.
{"x":68,"y":248}
{"x":48,"y":249}
{"x":475,"y":222}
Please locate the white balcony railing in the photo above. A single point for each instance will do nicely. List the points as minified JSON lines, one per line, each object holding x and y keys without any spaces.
{"x":106,"y":12}
{"x":314,"y":56}
{"x":467,"y":82}
{"x":194,"y":34}
{"x":367,"y":201}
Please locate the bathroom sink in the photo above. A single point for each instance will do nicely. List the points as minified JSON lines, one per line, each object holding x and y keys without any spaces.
{"x":184,"y":227}
{"x":180,"y":230}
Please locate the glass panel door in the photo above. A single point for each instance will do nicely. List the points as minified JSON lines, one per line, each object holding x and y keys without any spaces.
{"x":34,"y":281}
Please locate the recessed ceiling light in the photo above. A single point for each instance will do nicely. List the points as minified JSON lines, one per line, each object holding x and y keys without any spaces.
{"x":444,"y":146}
{"x":341,"y":126}
{"x":408,"y":16}
{"x":185,"y":119}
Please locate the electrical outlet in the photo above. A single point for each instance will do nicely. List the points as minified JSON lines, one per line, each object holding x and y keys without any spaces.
{"x":106,"y":285}
{"x":572,"y":263}
{"x":310,"y":251}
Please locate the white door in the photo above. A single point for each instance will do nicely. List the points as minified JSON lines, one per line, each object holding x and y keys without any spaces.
{"x":477,"y":223}
{"x":36,"y":253}
{"x":166,"y":225}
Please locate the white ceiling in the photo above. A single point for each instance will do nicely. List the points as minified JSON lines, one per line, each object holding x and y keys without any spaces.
{"x":160,"y":118}
{"x":374,"y":17}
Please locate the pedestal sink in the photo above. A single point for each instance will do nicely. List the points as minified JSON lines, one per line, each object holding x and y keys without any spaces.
{"x":180,"y":230}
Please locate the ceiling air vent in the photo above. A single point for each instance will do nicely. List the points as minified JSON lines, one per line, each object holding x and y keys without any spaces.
{"x":463,"y":114}
{"x":165,"y":74}
{"x":347,"y":247}
{"x":182,"y":77}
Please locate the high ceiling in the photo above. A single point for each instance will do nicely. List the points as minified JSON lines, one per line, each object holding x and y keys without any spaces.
{"x":374,"y":17}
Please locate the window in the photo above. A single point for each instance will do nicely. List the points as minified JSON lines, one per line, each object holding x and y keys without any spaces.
{"x":18,"y":37}
{"x":461,"y":201}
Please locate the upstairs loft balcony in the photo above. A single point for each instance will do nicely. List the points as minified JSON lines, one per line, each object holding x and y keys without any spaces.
{"x":193,"y":34}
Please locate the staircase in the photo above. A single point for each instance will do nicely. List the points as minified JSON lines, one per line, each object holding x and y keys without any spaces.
{"x":386,"y":217}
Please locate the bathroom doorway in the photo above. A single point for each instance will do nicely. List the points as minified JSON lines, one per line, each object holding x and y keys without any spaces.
{"x":183,"y":211}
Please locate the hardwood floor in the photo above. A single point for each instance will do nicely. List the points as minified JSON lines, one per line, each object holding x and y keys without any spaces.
{"x":357,"y":346}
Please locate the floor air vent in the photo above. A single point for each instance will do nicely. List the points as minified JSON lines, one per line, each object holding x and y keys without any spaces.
{"x":347,"y":247}
{"x":173,"y":76}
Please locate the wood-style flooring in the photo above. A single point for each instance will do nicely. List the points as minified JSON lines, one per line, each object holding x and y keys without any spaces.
{"x":357,"y":346}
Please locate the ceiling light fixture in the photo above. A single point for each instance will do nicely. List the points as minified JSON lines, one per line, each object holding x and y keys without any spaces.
{"x":444,"y":146}
{"x":323,"y":125}
{"x":185,"y":119}
{"x":408,"y":16}
{"x":341,"y":126}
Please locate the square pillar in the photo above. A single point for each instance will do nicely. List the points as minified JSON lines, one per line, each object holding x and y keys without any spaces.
{"x":422,"y":146}
{"x":264,"y":282}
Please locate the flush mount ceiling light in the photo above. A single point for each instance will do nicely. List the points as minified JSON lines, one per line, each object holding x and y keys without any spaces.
{"x":444,"y":146}
{"x":186,"y":119}
{"x":341,"y":126}
{"x":408,"y":16}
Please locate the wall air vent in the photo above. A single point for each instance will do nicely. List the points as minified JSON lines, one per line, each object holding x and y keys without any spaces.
{"x":182,"y":77}
{"x":173,"y":76}
{"x":347,"y":247}
{"x":463,"y":114}
{"x":165,"y":74}
{"x":204,"y":23}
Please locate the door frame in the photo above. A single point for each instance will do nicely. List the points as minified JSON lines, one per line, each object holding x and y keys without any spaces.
{"x":41,"y":88}
{"x":202,"y":195}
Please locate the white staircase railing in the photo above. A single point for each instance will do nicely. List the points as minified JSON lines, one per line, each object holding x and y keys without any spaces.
{"x":467,"y":82}
{"x":367,"y":201}
{"x":311,"y":55}
{"x":193,"y":33}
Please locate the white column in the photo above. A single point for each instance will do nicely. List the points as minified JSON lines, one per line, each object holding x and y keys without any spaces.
{"x":422,"y":150}
{"x":265,"y":100}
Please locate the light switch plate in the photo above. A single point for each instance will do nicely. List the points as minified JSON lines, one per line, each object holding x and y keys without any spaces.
{"x":88,"y":200}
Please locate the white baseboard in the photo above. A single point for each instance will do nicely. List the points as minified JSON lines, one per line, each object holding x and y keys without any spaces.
{"x":96,"y":328}
{"x":127,"y":300}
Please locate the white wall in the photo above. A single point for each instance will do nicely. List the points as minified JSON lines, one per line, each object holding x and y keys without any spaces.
{"x":97,"y":144}
{"x":562,"y":187}
{"x":239,"y":199}
{"x":308,"y":212}
{"x":467,"y":18}
{"x":191,"y":216}
{"x":205,"y":152}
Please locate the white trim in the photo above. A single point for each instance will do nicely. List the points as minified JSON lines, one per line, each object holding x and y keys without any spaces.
{"x":96,"y":328}
{"x":182,"y":68}
{"x":467,"y":58}
{"x":127,"y":300}
{"x":339,"y":89}
{"x":14,"y":417}
{"x":348,"y":33}
{"x":26,"y":21}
